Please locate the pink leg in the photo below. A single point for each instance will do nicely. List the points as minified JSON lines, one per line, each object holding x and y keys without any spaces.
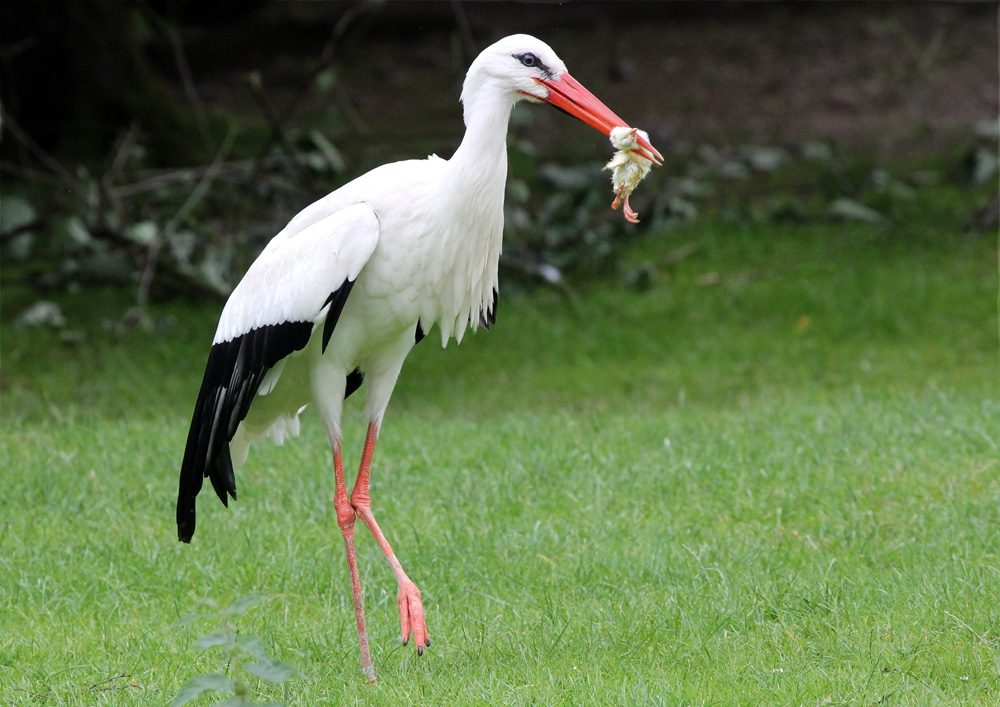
{"x":411,"y":609}
{"x":345,"y":519}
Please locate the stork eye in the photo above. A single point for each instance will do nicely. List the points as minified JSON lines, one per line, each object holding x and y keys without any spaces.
{"x":529,"y":59}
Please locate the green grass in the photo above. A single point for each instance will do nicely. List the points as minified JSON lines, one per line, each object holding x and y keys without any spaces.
{"x":772,"y":479}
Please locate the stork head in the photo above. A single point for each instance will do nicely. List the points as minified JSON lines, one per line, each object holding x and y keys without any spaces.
{"x":526,"y":68}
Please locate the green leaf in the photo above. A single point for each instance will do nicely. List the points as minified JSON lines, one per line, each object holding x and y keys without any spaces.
{"x":982,"y":166}
{"x":212,"y":272}
{"x":326,"y":80}
{"x":232,"y":702}
{"x":566,"y":177}
{"x":220,"y":638}
{"x":43,"y":313}
{"x":142,"y":233}
{"x":197,"y":686}
{"x":271,"y":670}
{"x":241,"y":605}
{"x":682,"y":208}
{"x":189,"y":619}
{"x":763,"y":159}
{"x":334,"y":159}
{"x":181,"y":245}
{"x":817,"y":151}
{"x":252,"y":645}
{"x":693,"y":188}
{"x":731,"y":169}
{"x":987,"y":129}
{"x":850,"y":210}
{"x":518,"y":191}
{"x":77,"y":231}
{"x":16,"y":213}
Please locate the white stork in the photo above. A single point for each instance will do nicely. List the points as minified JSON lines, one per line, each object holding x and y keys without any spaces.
{"x":353,"y":282}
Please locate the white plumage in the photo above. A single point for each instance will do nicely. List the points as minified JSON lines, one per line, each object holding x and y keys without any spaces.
{"x":291,"y":277}
{"x":353,"y":281}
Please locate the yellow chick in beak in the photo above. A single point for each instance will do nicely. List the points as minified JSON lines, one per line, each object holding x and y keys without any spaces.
{"x":628,"y":168}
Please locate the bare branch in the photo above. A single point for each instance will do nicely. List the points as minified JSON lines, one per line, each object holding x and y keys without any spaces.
{"x":190,"y":90}
{"x":173,"y":37}
{"x":277,"y":128}
{"x":50,"y":162}
{"x":326,"y":58}
{"x":197,"y":194}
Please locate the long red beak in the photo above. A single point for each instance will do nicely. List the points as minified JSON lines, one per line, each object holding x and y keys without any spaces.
{"x":569,"y":95}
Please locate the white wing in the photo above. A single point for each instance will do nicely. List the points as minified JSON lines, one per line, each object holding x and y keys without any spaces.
{"x":293,"y":278}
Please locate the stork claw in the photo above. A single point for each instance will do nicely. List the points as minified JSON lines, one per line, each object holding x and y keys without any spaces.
{"x":411,"y":616}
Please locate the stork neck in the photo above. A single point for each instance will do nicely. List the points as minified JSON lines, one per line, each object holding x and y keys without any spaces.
{"x":482,"y":156}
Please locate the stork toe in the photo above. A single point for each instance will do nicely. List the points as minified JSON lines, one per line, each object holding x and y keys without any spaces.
{"x":411,"y":616}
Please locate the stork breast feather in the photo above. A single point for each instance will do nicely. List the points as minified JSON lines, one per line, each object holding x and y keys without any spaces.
{"x":293,"y":277}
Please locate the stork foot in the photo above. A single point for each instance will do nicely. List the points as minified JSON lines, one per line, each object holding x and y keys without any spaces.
{"x":411,"y":616}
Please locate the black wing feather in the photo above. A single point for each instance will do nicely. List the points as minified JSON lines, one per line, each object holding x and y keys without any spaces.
{"x":489,"y":317}
{"x":233,"y":374}
{"x":336,"y":300}
{"x":354,"y":380}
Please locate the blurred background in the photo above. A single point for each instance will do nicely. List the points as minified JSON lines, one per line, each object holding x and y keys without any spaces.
{"x":158,"y":144}
{"x":751,"y":439}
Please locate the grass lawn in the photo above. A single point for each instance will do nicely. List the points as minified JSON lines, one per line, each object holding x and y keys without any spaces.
{"x":770,"y":479}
